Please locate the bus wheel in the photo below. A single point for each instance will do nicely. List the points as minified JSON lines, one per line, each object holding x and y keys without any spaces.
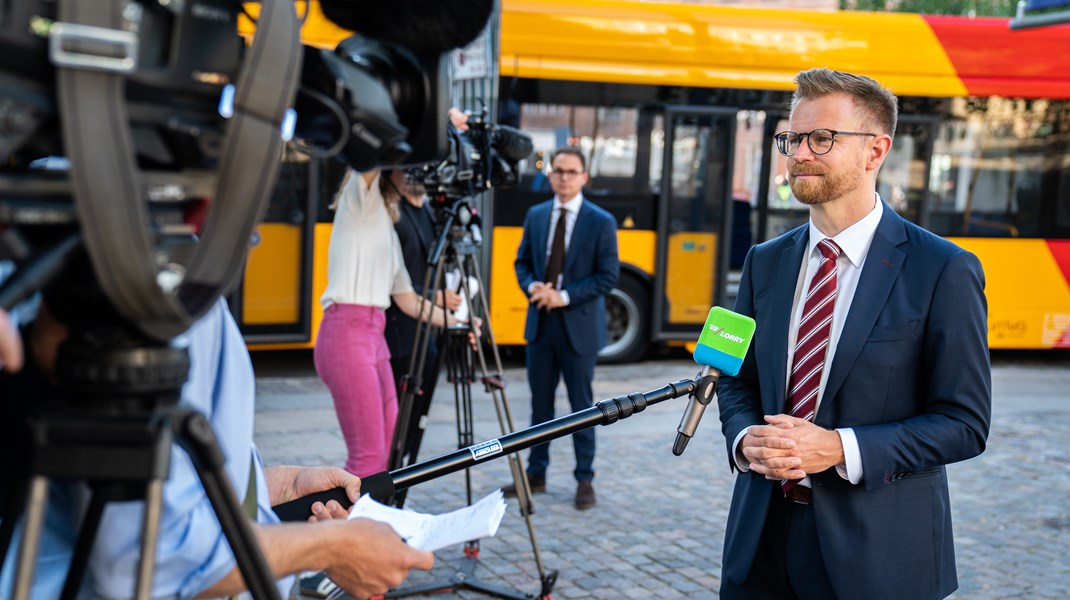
{"x":627,"y":333}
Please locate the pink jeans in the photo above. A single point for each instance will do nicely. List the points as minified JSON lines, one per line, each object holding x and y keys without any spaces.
{"x":352,"y":359}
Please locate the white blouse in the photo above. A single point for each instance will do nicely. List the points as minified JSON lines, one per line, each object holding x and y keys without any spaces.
{"x":364,"y":262}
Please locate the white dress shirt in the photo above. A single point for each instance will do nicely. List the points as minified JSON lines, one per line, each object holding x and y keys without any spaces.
{"x":364,"y":261}
{"x":854,"y":243}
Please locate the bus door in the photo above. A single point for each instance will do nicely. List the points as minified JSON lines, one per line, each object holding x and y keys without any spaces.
{"x":272,"y":304}
{"x":693,"y":210}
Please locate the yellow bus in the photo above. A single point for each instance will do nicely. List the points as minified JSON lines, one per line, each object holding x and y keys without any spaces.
{"x":675,"y":105}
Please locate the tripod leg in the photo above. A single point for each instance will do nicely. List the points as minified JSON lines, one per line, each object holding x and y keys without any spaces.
{"x":195,"y":435}
{"x":150,"y":533}
{"x":495,"y":385}
{"x":80,"y":559}
{"x":14,"y":501}
{"x":31,"y":537}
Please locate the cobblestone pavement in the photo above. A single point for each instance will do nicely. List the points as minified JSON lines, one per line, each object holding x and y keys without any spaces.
{"x":658,"y":528}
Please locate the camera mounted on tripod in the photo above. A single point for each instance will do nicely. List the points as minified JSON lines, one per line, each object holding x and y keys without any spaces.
{"x":119,"y":121}
{"x":477,"y":160}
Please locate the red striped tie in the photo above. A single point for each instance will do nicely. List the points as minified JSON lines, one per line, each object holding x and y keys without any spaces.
{"x":812,"y":343}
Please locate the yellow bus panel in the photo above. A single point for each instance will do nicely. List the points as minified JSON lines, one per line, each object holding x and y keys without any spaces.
{"x":718,"y":46}
{"x":272,"y":284}
{"x":1028,"y":296}
{"x":690,"y":276}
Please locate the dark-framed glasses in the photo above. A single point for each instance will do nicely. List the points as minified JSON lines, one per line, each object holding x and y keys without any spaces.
{"x":819,"y":140}
{"x":566,"y":173}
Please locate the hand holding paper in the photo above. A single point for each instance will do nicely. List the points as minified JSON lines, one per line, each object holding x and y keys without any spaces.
{"x":431,"y":532}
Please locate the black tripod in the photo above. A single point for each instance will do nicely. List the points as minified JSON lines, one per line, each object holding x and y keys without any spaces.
{"x":454,"y":251}
{"x":116,"y":436}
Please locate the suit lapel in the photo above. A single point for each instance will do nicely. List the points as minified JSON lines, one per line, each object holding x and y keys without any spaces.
{"x":882,"y":266}
{"x":781,"y":296}
{"x":579,"y":234}
{"x":540,"y":229}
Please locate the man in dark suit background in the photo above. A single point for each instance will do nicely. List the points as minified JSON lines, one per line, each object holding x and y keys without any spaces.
{"x":842,"y":486}
{"x":566,"y":264}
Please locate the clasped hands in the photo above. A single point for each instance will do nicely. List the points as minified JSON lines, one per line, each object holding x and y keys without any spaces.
{"x":790,"y":448}
{"x":545,"y":297}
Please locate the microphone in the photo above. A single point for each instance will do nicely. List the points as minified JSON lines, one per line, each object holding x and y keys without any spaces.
{"x":723,"y":343}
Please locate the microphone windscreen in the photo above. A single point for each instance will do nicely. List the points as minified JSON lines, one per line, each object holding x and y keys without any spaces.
{"x":432,"y":26}
{"x":512,"y":143}
{"x":724,"y":340}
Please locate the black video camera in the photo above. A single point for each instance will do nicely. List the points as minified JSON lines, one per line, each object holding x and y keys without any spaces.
{"x":479,"y":159}
{"x":176,"y":71}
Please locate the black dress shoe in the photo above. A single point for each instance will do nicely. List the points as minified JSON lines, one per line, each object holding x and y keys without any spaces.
{"x":537,"y":484}
{"x":585,"y":495}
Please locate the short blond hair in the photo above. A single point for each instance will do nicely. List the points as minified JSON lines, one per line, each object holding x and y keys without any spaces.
{"x":877,"y":102}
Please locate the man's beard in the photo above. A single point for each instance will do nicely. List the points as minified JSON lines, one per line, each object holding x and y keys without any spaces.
{"x":830,"y":186}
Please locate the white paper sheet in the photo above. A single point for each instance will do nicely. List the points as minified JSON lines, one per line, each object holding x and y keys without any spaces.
{"x":433,"y":532}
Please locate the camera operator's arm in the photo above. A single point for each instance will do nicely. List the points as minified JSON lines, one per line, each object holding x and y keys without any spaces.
{"x":363,"y":557}
{"x":409,"y":303}
{"x":10,"y":344}
{"x":450,"y":299}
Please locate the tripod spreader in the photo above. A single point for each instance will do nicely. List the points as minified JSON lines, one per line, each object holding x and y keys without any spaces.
{"x":383,"y":485}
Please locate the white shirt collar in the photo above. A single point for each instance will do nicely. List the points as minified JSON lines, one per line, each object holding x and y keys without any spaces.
{"x":573,"y":204}
{"x":856,"y":239}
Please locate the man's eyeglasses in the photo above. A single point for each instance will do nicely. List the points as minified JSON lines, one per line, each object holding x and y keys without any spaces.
{"x":819,"y":140}
{"x":566,"y":172}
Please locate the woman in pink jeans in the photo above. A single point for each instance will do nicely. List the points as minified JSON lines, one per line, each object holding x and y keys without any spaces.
{"x":365,"y":270}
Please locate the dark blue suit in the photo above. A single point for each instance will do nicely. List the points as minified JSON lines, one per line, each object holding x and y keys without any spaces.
{"x":910,"y":375}
{"x":566,"y":341}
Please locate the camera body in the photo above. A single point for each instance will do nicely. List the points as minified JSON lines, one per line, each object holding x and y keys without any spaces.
{"x":176,"y":59}
{"x":483,"y":157}
{"x":371,"y":103}
{"x":374,"y":103}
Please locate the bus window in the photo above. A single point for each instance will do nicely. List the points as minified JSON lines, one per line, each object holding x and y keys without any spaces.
{"x":785,"y":211}
{"x":988,"y":167}
{"x":746,"y":183}
{"x":901,"y":179}
{"x":606,"y":135}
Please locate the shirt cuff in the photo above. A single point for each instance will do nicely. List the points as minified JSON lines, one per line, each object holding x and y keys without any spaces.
{"x":741,"y":461}
{"x":532,"y":286}
{"x":564,"y":297}
{"x":851,"y":470}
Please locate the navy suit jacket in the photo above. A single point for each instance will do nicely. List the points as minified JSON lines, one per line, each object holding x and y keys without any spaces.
{"x":911,"y":376}
{"x":591,"y":271}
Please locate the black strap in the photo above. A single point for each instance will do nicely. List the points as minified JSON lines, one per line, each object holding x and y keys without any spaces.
{"x":110,"y":192}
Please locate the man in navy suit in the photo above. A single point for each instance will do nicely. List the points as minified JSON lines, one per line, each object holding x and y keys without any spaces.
{"x":566,"y":321}
{"x":850,"y":499}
